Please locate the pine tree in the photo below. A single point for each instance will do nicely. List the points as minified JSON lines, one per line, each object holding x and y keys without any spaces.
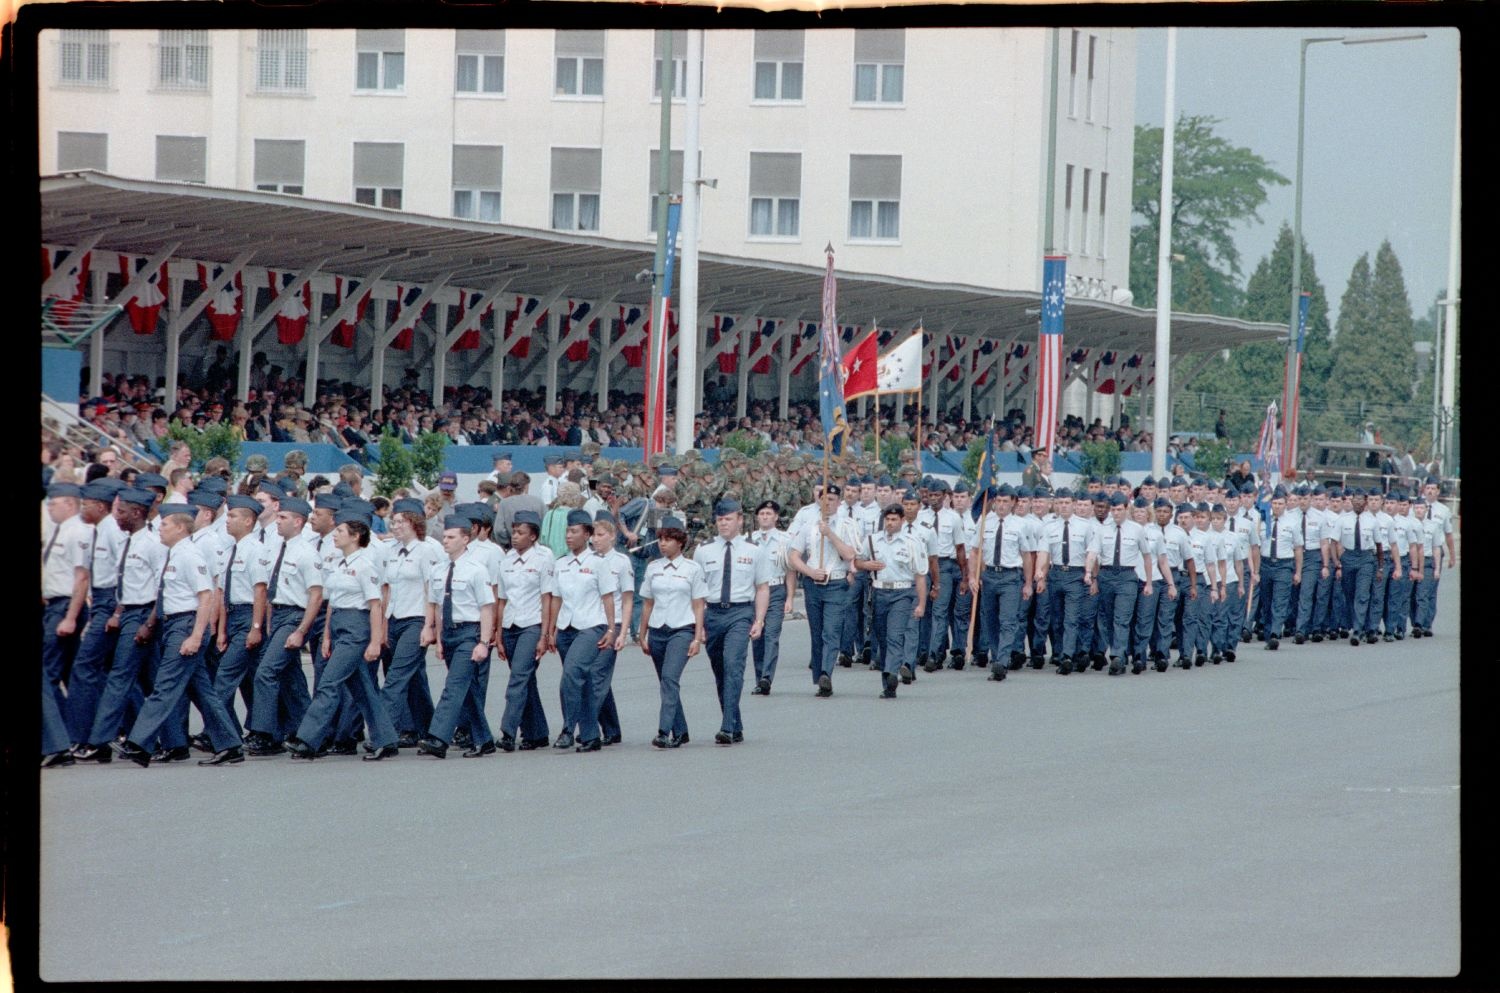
{"x":1366,"y":363}
{"x":1268,"y":297}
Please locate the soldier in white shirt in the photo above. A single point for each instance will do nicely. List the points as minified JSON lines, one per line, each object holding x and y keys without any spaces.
{"x":605,"y":543}
{"x":1036,"y":615}
{"x":524,"y":607}
{"x":490,"y":556}
{"x":1226,"y":624}
{"x":948,"y":627}
{"x":1180,"y":583}
{"x":65,"y":582}
{"x":1403,"y":565}
{"x":963,"y":603}
{"x":672,"y":627}
{"x":406,"y":693}
{"x":854,"y":637}
{"x":241,"y":614}
{"x":782,"y":592}
{"x":920,"y":523}
{"x":1143,"y":622}
{"x":1424,"y":597}
{"x":292,"y":593}
{"x":1355,"y":554}
{"x":100,"y":542}
{"x":737,"y":575}
{"x":460,"y":621}
{"x":1198,"y":611}
{"x":581,"y":624}
{"x":1003,"y":572}
{"x":898,"y":562}
{"x":822,"y":552}
{"x":1072,"y":543}
{"x":1380,"y":578}
{"x":1312,"y":611}
{"x":553,"y":464}
{"x":1281,"y":563}
{"x":1119,"y":553}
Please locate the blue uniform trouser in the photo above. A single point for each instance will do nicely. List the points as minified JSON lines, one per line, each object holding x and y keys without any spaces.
{"x":57,"y":653}
{"x":175,"y":673}
{"x":463,"y":672}
{"x":279,"y":679}
{"x":523,"y":704}
{"x":1145,"y":618}
{"x":345,"y":714}
{"x":582,"y":681}
{"x":1379,"y":578}
{"x":1195,"y":620}
{"x":1424,"y":597}
{"x":407,"y":696}
{"x":123,"y":681}
{"x":892,"y":611}
{"x":1118,"y":589}
{"x":1000,"y":608}
{"x":944,"y":608}
{"x":1169,"y":614}
{"x":54,"y":728}
{"x":1312,"y":612}
{"x":237,"y":660}
{"x":1277,"y":573}
{"x":1398,"y":601}
{"x":1359,"y":573}
{"x":346,"y":666}
{"x":1088,"y":613}
{"x":609,"y":714}
{"x":1226,"y":630}
{"x":826,"y":603}
{"x":728,"y":632}
{"x":669,"y":648}
{"x":1040,"y":610}
{"x":963,"y":614}
{"x":854,"y":636}
{"x":1263,"y":605}
{"x":96,"y":648}
{"x":1338,"y":601}
{"x":767,"y":648}
{"x":1068,"y":592}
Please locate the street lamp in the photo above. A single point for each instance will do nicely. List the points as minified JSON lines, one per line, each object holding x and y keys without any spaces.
{"x":1293,"y":373}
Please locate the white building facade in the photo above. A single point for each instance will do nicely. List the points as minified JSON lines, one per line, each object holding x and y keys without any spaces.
{"x":918,"y":153}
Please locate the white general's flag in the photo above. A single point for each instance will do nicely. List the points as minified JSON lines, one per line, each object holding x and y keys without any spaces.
{"x":900,"y":369}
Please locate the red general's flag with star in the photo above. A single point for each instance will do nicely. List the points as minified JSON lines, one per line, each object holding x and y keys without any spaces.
{"x":859,"y":368}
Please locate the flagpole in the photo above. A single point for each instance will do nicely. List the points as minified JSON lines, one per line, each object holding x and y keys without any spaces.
{"x":974,"y":573}
{"x":877,"y":425}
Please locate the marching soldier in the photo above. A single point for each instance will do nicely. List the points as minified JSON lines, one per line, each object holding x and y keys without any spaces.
{"x":737,"y":575}
{"x":1072,"y":542}
{"x":292,"y":592}
{"x":781,"y":593}
{"x":460,"y":621}
{"x":1004,"y":584}
{"x":898,"y":561}
{"x":1281,"y":563}
{"x":822,"y":551}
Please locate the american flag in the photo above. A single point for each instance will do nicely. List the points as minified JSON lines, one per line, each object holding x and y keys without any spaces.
{"x":1291,"y":403}
{"x":655,"y":421}
{"x":1049,"y":355}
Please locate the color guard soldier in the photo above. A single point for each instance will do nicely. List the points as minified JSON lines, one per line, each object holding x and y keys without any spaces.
{"x":822,"y":552}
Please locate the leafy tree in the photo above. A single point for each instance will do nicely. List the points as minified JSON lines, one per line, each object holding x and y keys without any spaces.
{"x":748,"y":442}
{"x":891,"y":447}
{"x":1100,"y":458}
{"x":1212,"y":457}
{"x":394,"y":468}
{"x":427,"y":457}
{"x":208,"y":442}
{"x":1216,"y":187}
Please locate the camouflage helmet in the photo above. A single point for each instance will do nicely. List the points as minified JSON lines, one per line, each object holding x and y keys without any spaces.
{"x":589,"y":448}
{"x":296,"y":457}
{"x":257,"y":463}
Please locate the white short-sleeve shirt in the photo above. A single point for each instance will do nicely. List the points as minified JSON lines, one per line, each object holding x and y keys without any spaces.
{"x":185,"y":574}
{"x":407,"y":569}
{"x":582,"y":581}
{"x":352,"y":581}
{"x":672,"y":585}
{"x":524,"y":578}
{"x":750,"y":567}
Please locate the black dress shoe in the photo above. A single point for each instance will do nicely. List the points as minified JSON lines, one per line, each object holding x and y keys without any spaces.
{"x":1300,"y":639}
{"x":998,"y":672}
{"x":1317,"y":637}
{"x":179,"y":754}
{"x":866,"y":657}
{"x":1037,"y":661}
{"x":592,"y":745}
{"x":532,"y":744}
{"x":888,"y":681}
{"x":130,"y":750}
{"x":261,"y":749}
{"x":300,"y":749}
{"x":1099,"y":660}
{"x":1117,"y":669}
{"x":1216,"y":658}
{"x":461,"y":738}
{"x":611,"y":739}
{"x":1161,"y":665}
{"x":933,"y":664}
{"x":723,"y":738}
{"x":1184,"y":661}
{"x":1354,"y":640}
{"x":1065,"y":667}
{"x":564,"y":740}
{"x":432,"y":746}
{"x":58,"y":759}
{"x":956,"y":661}
{"x":506,"y":743}
{"x":1199,"y":658}
{"x":1017,"y":660}
{"x":662,"y":740}
{"x":681,"y":739}
{"x":344,"y":746}
{"x":229,"y":756}
{"x":737,"y":737}
{"x":387,"y":752}
{"x":93,"y":753}
{"x":763,"y":687}
{"x":1137,"y":668}
{"x":845,"y":660}
{"x":1229,"y":655}
{"x":201,"y":743}
{"x":825,"y":686}
{"x":873,"y":666}
{"x":407,"y":739}
{"x":981,"y":660}
{"x":1370,"y":638}
{"x":907,"y":676}
{"x":921,"y":658}
{"x":478,"y":751}
{"x":1400,"y":635}
{"x":1272,"y":644}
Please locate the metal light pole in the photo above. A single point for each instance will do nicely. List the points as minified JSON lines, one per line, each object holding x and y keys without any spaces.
{"x":1450,"y":303}
{"x":1289,"y":453}
{"x":1161,"y":424}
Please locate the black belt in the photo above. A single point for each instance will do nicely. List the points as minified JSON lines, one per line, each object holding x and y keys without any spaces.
{"x":1068,"y":568}
{"x":55,"y":599}
{"x":457,"y":625}
{"x":180,"y":613}
{"x":1002,"y":568}
{"x":728,"y":606}
{"x":240,"y":606}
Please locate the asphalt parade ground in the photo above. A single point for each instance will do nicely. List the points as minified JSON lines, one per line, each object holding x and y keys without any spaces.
{"x":1295,"y":813}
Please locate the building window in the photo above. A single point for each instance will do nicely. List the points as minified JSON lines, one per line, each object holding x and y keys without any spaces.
{"x":83,"y":58}
{"x":1103,"y":217}
{"x":82,"y":150}
{"x":879,"y":65}
{"x":679,"y":66}
{"x":378,"y":171}
{"x":281,"y":61}
{"x":778,"y":65}
{"x":279,"y":165}
{"x":575,"y":188}
{"x":182,"y":60}
{"x":380,"y":59}
{"x":875,"y":197}
{"x":775,"y":194}
{"x":1073,"y":76}
{"x":477,"y":171}
{"x":480,"y":61}
{"x":653,"y":182}
{"x":1088,"y":97}
{"x":181,"y":159}
{"x":580,"y":64}
{"x":1068,"y":209}
{"x":1083,"y":215}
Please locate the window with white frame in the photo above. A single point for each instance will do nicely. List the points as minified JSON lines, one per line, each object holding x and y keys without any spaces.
{"x":1088,"y":97}
{"x":181,"y":159}
{"x":477,"y":171}
{"x":1067,"y":225}
{"x":880,"y":65}
{"x":380,"y":59}
{"x":479,"y":61}
{"x":182,"y":60}
{"x":281,"y":61}
{"x":775,"y":194}
{"x":279,"y":165}
{"x":875,"y":197}
{"x":575,"y":188}
{"x":679,"y":66}
{"x":1073,"y":75}
{"x":378,"y":170}
{"x":653,"y":181}
{"x":1083,"y":214}
{"x":82,"y":150}
{"x":778,"y":65}
{"x":1103,"y":217}
{"x":83,"y":57}
{"x":579,"y":57}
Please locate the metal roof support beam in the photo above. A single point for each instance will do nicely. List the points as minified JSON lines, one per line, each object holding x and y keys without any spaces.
{"x":743,"y":368}
{"x":982,"y":366}
{"x":1194,"y":370}
{"x":62,"y":277}
{"x":607,"y":352}
{"x":201,"y":301}
{"x":349,"y":305}
{"x":705,"y":308}
{"x":244,"y":340}
{"x":767,"y":342}
{"x":784,"y":371}
{"x":470,"y":321}
{"x":140,"y":279}
{"x":322,"y":329}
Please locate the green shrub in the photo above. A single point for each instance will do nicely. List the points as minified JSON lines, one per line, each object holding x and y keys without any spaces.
{"x":1212,"y":457}
{"x":209,"y":442}
{"x":747,"y":442}
{"x":427,"y":457}
{"x":394,"y":468}
{"x":890,"y":450}
{"x":971,"y":461}
{"x":1100,"y":458}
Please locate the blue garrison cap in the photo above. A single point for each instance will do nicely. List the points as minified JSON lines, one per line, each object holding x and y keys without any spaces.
{"x":666,"y":522}
{"x":1178,"y":481}
{"x":98,"y":491}
{"x":1101,"y":497}
{"x":408,"y":505}
{"x":206,"y":500}
{"x":1118,"y":500}
{"x":213,"y":484}
{"x":1202,"y":508}
{"x":1163,"y":502}
{"x":1064,"y":494}
{"x":287,"y":484}
{"x":726,"y":506}
{"x":343,"y":489}
{"x":238,"y":501}
{"x":356,"y":516}
{"x":582,"y":517}
{"x":1418,"y":501}
{"x":64,"y":490}
{"x":867,"y":480}
{"x":480,"y":513}
{"x":527,"y":517}
{"x":364,"y":507}
{"x":604,"y":517}
{"x":667,"y":470}
{"x":910,"y":494}
{"x":885,"y":481}
{"x":1025,"y":492}
{"x":1185,"y":508}
{"x":1094,"y":479}
{"x":960,"y":487}
{"x":1279,"y":493}
{"x":168,"y":509}
{"x":1006,"y":490}
{"x":925,"y":482}
{"x":296,"y":505}
{"x":274,"y":489}
{"x":852,"y":482}
{"x":941,"y":486}
{"x":552,"y":460}
{"x":1148,"y":481}
{"x":1141,"y":502}
{"x":1302,"y":490}
{"x":1431,"y":481}
{"x":329,"y":501}
{"x":150,"y":479}
{"x":139,"y":497}
{"x":1397,"y":496}
{"x":460,"y":522}
{"x":1217,"y":508}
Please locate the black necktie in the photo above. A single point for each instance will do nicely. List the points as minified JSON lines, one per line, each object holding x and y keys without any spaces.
{"x":1356,"y":533}
{"x":47,"y":552}
{"x":1275,"y":529}
{"x":161,"y":584}
{"x":1304,"y":527}
{"x":402,"y":552}
{"x":448,"y":597}
{"x":1118,"y":530}
{"x":229,"y":576}
{"x":999,"y":542}
{"x":275,"y":572}
{"x":120,"y":578}
{"x":1067,"y":546}
{"x":262,"y":535}
{"x":319,"y":547}
{"x":724,"y":591}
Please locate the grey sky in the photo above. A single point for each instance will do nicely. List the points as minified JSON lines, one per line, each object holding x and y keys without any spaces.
{"x":1378,"y":159}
